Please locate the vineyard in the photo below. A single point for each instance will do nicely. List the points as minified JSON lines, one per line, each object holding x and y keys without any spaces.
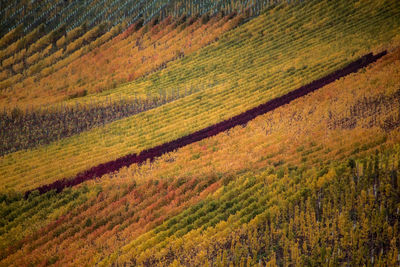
{"x":200,"y":133}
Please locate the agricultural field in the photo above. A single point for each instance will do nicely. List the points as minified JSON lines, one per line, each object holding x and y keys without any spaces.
{"x":225,"y":188}
{"x":227,"y":83}
{"x":200,"y":133}
{"x":132,"y":54}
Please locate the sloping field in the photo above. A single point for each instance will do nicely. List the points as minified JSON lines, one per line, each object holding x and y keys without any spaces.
{"x":307,"y":184}
{"x":277,"y":52}
{"x":18,"y":17}
{"x":241,"y":119}
{"x":130,"y":55}
{"x":39,"y":38}
{"x":98,"y":64}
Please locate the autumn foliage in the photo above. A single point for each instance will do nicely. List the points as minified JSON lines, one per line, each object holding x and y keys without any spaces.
{"x":203,"y":140}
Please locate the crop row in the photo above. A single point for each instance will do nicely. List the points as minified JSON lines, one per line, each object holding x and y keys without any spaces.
{"x":19,"y":217}
{"x":107,"y":225}
{"x":31,"y":134}
{"x":62,"y":122}
{"x":259,"y":54}
{"x":55,"y":15}
{"x":297,"y":133}
{"x":252,"y":75}
{"x":285,"y":218}
{"x":292,"y":194}
{"x":44,"y":54}
{"x":112,"y":211}
{"x":25,"y":130}
{"x":116,"y":11}
{"x":129,"y":216}
{"x":130,"y":55}
{"x":241,"y":119}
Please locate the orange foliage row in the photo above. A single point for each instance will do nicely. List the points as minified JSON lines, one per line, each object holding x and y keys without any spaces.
{"x":128,"y":56}
{"x":116,"y":216}
{"x":307,"y":131}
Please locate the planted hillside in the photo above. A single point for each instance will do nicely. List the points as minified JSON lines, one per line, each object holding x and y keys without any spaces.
{"x":28,"y":128}
{"x":24,"y":130}
{"x":296,"y":186}
{"x":55,"y":14}
{"x":134,"y":53}
{"x":199,"y":133}
{"x":42,"y":37}
{"x":263,"y":59}
{"x":242,"y":119}
{"x":285,"y":220}
{"x":26,"y":59}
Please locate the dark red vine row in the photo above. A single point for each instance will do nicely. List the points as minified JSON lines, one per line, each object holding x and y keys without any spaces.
{"x":212,"y":130}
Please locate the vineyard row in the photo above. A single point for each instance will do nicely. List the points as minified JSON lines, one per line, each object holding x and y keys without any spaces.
{"x":150,"y":154}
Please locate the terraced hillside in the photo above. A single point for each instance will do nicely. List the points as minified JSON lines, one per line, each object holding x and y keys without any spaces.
{"x":271,"y":133}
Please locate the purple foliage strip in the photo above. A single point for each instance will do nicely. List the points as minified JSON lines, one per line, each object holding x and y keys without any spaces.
{"x":212,"y":130}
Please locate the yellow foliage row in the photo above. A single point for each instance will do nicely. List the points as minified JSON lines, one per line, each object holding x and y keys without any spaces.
{"x":45,"y":66}
{"x":129,"y":58}
{"x":256,"y":64}
{"x":277,"y":140}
{"x":299,"y":134}
{"x":23,"y":42}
